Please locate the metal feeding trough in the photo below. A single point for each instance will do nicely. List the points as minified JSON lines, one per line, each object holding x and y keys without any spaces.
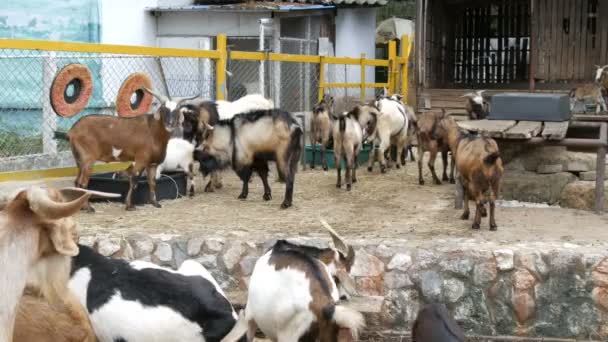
{"x":530,"y":107}
{"x":170,"y":185}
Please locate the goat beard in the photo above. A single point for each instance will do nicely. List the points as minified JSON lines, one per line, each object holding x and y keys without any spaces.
{"x":209,"y":163}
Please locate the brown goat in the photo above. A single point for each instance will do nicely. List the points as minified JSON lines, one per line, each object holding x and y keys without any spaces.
{"x":36,"y":242}
{"x":429,"y":141}
{"x":601,"y":77}
{"x":320,"y":128}
{"x":142,"y":140}
{"x":479,"y":167}
{"x":40,"y":321}
{"x":592,"y":91}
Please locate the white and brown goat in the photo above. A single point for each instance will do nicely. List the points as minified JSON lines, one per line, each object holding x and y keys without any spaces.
{"x":37,"y":239}
{"x":476,"y":106}
{"x":479,"y":167}
{"x":141,"y":140}
{"x":392,"y":127}
{"x":321,"y":124}
{"x":293,"y":294}
{"x":349,"y":131}
{"x":601,"y":77}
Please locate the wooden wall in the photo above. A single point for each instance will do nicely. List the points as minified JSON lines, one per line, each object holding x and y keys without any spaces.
{"x":572,"y":37}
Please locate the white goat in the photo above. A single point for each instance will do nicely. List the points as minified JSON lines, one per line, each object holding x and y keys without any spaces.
{"x":392,"y":127}
{"x":588,"y":91}
{"x":179,"y":157}
{"x":292,"y":288}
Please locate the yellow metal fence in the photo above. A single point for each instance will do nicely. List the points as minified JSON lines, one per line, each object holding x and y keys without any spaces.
{"x":173,"y":71}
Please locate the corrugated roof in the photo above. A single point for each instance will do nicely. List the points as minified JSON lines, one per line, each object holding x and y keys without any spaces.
{"x":259,"y":6}
{"x":321,"y":2}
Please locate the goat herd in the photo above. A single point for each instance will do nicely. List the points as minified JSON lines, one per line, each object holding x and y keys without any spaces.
{"x":53,"y":289}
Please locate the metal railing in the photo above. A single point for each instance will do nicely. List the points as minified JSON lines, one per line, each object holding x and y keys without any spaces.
{"x":295,"y":82}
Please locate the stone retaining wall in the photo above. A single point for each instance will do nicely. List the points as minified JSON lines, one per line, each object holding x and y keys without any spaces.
{"x":533,"y":289}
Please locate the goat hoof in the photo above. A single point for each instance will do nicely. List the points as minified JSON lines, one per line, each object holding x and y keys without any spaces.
{"x":89,"y":210}
{"x":267,"y":197}
{"x":325,"y":168}
{"x":285,"y":205}
{"x":209,"y":188}
{"x":219,"y":185}
{"x":354,"y":181}
{"x":131,"y":208}
{"x":437,"y":182}
{"x":444,"y":178}
{"x":464,"y":216}
{"x":383,"y":169}
{"x":242,"y":196}
{"x":312,"y":167}
{"x":421,"y":182}
{"x":493,"y":227}
{"x":452,"y":181}
{"x":475,"y":226}
{"x":348,"y":186}
{"x":397,"y":166}
{"x":157,"y":205}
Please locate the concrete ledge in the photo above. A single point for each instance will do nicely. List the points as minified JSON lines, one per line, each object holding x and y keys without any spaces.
{"x":528,"y":289}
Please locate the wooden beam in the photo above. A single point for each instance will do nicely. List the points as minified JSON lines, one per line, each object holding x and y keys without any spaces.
{"x":555,"y":130}
{"x":491,"y":128}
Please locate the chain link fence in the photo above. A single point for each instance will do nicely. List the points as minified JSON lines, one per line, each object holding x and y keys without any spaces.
{"x":28,"y":122}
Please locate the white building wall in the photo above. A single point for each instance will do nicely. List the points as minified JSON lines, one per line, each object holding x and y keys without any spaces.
{"x":355,"y":34}
{"x":203,"y":24}
{"x":127,"y":23}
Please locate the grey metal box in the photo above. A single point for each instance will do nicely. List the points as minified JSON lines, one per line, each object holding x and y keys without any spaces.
{"x":530,"y":107}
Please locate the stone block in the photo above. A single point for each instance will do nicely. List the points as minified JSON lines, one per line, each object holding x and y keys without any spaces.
{"x":600,"y":297}
{"x":523,"y":305}
{"x":400,"y":261}
{"x":587,"y":176}
{"x":430,"y":286}
{"x":142,"y":245}
{"x":484,"y":273}
{"x":194,"y":246}
{"x":366,"y":265}
{"x":549,"y":168}
{"x":395,"y":280}
{"x":213,"y":245}
{"x":207,"y":260}
{"x":453,"y":290}
{"x":232,"y":254}
{"x":523,"y":279}
{"x":370,"y":286}
{"x":460,"y":266}
{"x":164,"y":253}
{"x":504,"y":259}
{"x":577,"y":166}
{"x":108,"y":246}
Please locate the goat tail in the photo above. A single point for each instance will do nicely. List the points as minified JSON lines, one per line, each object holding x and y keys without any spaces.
{"x":346,"y":317}
{"x":491,"y":158}
{"x":238,"y":330}
{"x":62,"y":135}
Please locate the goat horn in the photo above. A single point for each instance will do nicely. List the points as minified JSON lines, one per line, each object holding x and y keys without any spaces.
{"x":162,"y":98}
{"x":184,"y":99}
{"x":208,"y":126}
{"x":341,"y":246}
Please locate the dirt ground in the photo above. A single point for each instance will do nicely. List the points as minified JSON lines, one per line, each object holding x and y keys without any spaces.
{"x":380,"y":206}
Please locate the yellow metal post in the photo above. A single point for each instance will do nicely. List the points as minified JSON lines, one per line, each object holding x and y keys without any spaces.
{"x":405,"y":53}
{"x":362,"y":96}
{"x":321,"y":78}
{"x":220,"y":68}
{"x":392,"y":65}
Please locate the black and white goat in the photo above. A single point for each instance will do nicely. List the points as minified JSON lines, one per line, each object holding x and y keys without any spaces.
{"x":293,"y":295}
{"x":349,"y":130}
{"x":140,"y":301}
{"x":211,"y":112}
{"x":247,"y":142}
{"x":477,"y":108}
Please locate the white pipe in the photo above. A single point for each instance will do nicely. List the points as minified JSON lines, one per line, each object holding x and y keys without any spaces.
{"x":262,"y":88}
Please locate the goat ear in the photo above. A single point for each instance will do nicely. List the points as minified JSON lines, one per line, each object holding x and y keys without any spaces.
{"x":341,"y":246}
{"x":62,"y":238}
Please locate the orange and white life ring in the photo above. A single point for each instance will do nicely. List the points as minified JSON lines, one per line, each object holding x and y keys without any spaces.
{"x":71,"y":90}
{"x":132,"y":100}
